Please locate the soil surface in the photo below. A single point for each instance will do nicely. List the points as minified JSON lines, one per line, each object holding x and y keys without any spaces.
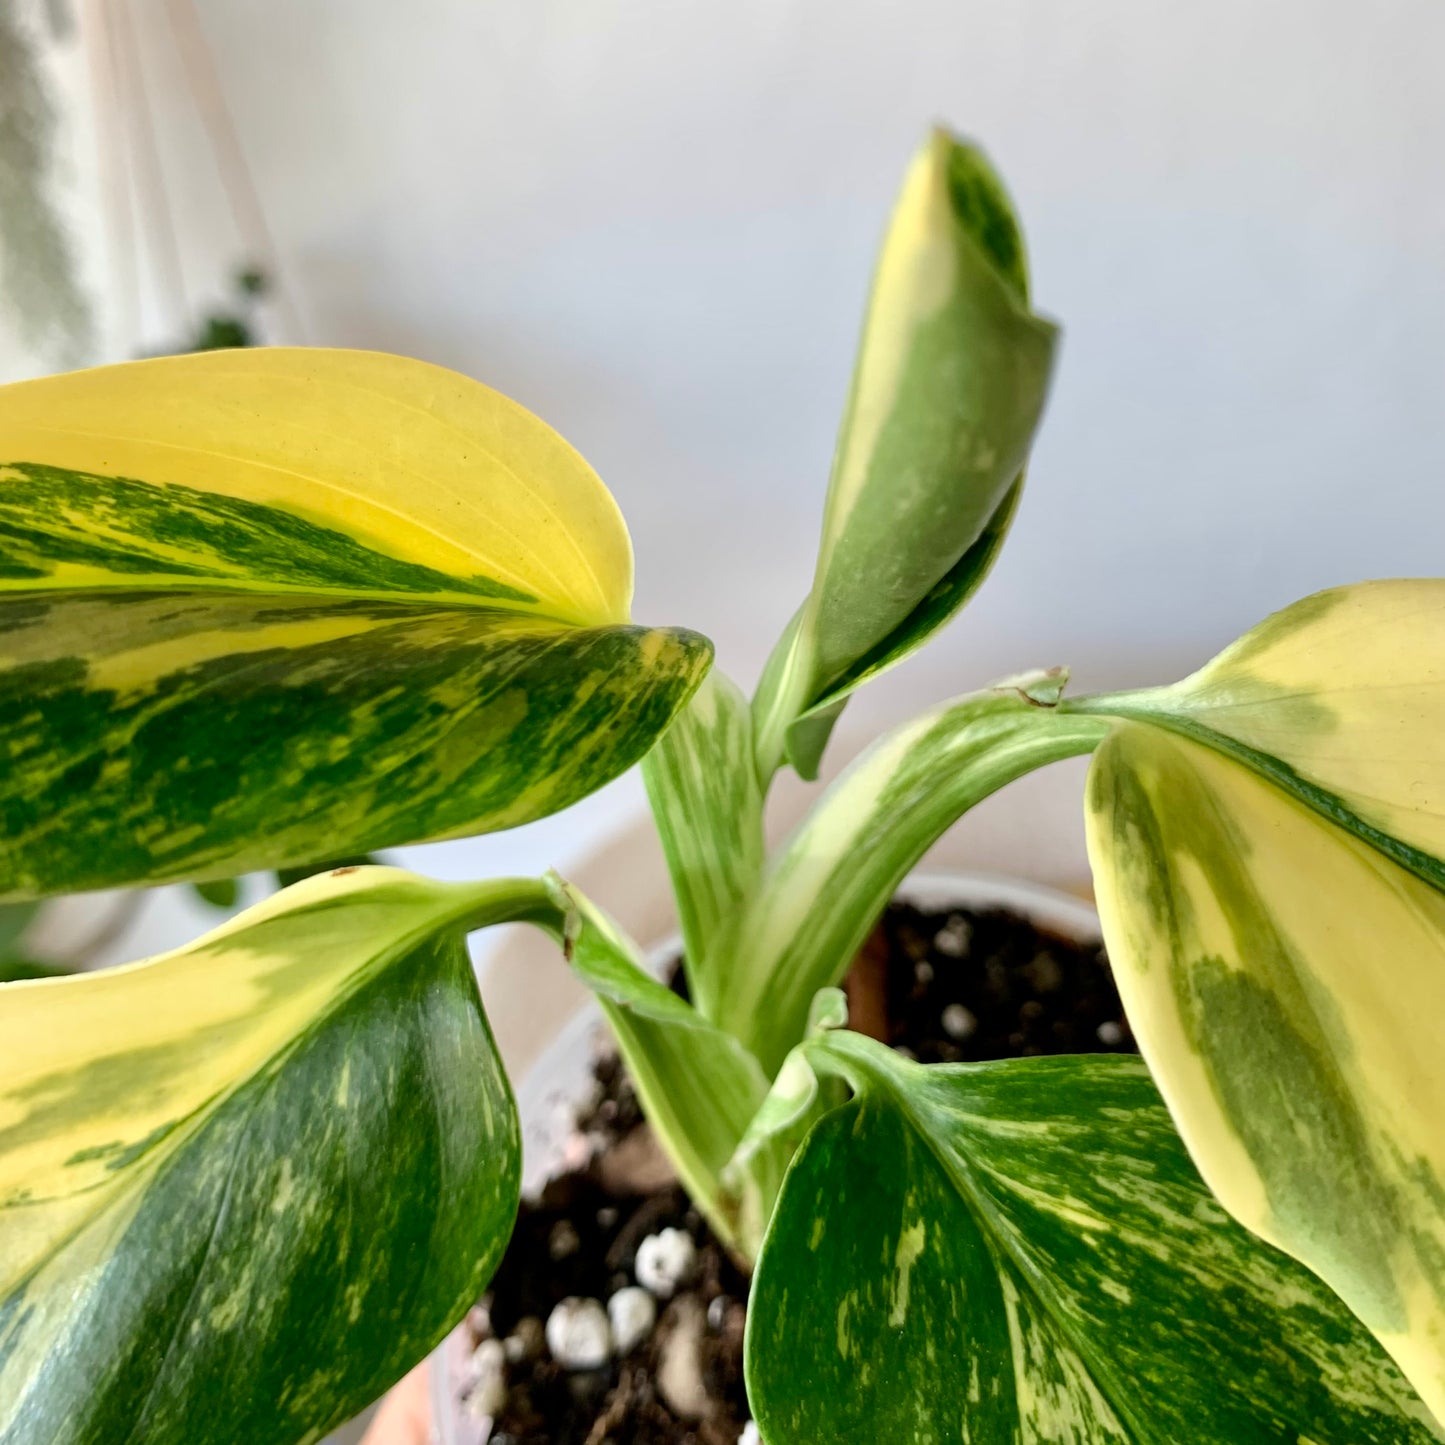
{"x":945,"y":988}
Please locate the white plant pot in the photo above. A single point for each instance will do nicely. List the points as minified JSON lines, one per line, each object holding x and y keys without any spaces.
{"x":558,"y":1069}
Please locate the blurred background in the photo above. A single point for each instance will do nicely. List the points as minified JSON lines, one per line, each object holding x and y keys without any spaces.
{"x":653,"y":223}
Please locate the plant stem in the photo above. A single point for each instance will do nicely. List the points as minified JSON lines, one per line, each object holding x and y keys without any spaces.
{"x":823,"y":892}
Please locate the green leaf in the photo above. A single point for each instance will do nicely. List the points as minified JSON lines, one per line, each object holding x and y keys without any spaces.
{"x":15,"y":918}
{"x":708,"y":807}
{"x":822,"y":892}
{"x":952,"y":372}
{"x":15,"y":962}
{"x":14,"y":967}
{"x":1023,"y":1252}
{"x":219,"y":892}
{"x":1286,"y":981}
{"x":807,"y":737}
{"x":1268,"y":841}
{"x":260,"y":607}
{"x":245,"y":1185}
{"x":699,"y":1087}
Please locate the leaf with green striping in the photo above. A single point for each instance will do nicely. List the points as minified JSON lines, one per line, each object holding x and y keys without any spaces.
{"x":952,"y":372}
{"x":245,"y":1185}
{"x":259,"y":607}
{"x":1023,"y":1252}
{"x":1285,"y":979}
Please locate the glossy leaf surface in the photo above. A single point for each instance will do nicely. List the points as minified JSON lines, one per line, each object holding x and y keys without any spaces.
{"x":1286,"y":981}
{"x":948,"y":389}
{"x":261,"y":607}
{"x":1023,"y":1252}
{"x":244,"y":1186}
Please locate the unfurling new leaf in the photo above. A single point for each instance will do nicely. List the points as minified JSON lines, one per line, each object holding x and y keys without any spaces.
{"x":949,"y":387}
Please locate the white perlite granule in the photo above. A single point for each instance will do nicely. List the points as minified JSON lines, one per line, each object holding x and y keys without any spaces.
{"x":666,"y":1260}
{"x":579,"y":1335}
{"x":958,"y":1022}
{"x":488,"y":1369}
{"x":632,"y":1313}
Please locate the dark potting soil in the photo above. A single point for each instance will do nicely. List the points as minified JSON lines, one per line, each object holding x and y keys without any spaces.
{"x":944,"y":987}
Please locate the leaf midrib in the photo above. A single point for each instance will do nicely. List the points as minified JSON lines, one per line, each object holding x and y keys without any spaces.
{"x":1284,"y":777}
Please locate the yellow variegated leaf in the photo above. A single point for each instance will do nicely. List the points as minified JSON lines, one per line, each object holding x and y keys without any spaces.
{"x":244,"y":1185}
{"x":262,"y":607}
{"x":1286,"y":982}
{"x":1339,"y":698}
{"x":428,"y":484}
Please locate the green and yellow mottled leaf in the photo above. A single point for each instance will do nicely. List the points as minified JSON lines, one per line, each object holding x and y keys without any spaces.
{"x":1340,"y":700}
{"x":259,"y":607}
{"x":307,"y":470}
{"x":952,"y":372}
{"x":1023,"y":1252}
{"x":708,"y":807}
{"x":245,"y":1185}
{"x":699,"y":1086}
{"x":1286,"y":981}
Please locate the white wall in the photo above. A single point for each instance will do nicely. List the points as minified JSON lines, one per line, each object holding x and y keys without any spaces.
{"x":652,"y":221}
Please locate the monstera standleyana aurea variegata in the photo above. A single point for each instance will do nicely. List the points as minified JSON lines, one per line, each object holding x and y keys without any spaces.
{"x":261,"y":607}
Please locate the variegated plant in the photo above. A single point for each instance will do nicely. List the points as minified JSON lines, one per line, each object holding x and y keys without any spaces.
{"x":260,"y":607}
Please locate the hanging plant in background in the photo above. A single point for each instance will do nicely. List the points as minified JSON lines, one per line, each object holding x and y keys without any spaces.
{"x":234,"y":324}
{"x":231,"y":323}
{"x":39,"y":278}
